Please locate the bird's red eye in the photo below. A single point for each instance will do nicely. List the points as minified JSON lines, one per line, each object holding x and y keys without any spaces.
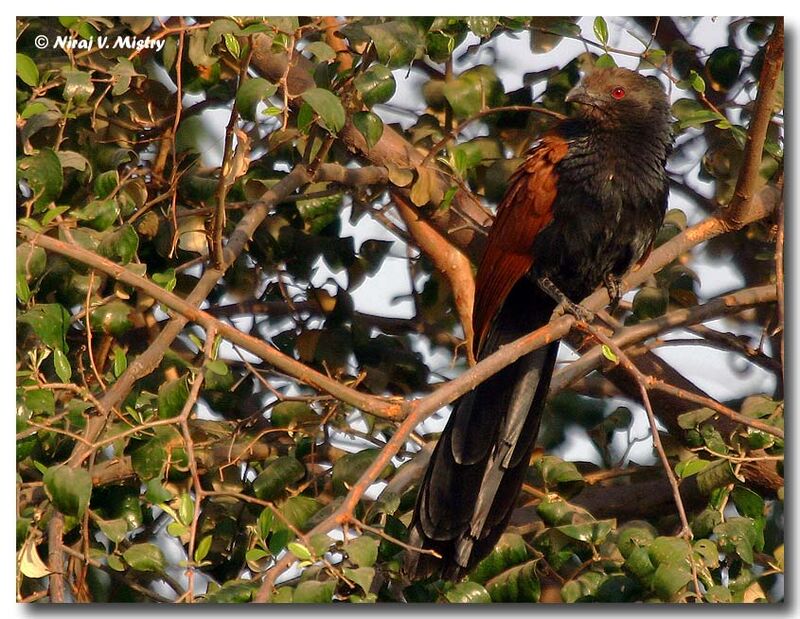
{"x":618,"y":92}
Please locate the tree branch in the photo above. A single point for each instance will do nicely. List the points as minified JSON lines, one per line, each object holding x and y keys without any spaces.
{"x":732,"y":303}
{"x":736,"y":214}
{"x":453,"y":264}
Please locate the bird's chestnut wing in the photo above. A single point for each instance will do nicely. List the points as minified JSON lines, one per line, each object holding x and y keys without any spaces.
{"x":523,"y":212}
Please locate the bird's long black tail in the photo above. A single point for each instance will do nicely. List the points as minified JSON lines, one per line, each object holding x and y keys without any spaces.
{"x":476,"y":471}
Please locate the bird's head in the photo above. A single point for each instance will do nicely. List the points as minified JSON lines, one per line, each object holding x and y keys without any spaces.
{"x":617,"y":96}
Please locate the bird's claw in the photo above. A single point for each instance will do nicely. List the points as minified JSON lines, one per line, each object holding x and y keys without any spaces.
{"x":612,"y":284}
{"x":565,"y":304}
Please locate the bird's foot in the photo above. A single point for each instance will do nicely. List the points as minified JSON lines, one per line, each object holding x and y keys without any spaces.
{"x":565,"y":304}
{"x":612,"y":284}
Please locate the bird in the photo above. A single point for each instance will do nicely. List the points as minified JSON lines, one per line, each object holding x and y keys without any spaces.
{"x":582,"y":209}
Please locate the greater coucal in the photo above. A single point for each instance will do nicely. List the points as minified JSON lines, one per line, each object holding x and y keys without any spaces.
{"x":582,"y":209}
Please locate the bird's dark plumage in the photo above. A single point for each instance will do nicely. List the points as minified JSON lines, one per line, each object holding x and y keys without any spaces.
{"x":584,"y":206}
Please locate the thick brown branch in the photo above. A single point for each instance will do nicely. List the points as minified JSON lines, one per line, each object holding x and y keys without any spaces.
{"x":736,"y":214}
{"x":453,"y":264}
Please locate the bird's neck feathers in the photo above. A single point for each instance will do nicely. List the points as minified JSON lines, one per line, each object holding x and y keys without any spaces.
{"x":647,"y":139}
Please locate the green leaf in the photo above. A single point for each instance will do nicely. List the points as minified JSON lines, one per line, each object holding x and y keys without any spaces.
{"x":121,"y":75}
{"x":50,"y":322}
{"x":22,"y":290}
{"x":370,"y":126}
{"x":594,"y":532}
{"x":172,"y":396}
{"x":669,"y":579}
{"x":69,"y":489}
{"x":633,"y":535}
{"x":31,"y":261}
{"x":78,"y":87}
{"x":251,"y":93}
{"x":256,"y":554}
{"x":669,"y":550}
{"x":314,"y":592}
{"x":105,"y":183}
{"x":650,"y":302}
{"x":43,"y":173}
{"x":723,"y":67}
{"x":27,"y":70}
{"x":348,"y":469}
{"x":62,"y":366}
{"x":738,"y":535}
{"x":376,"y":85}
{"x":475,"y":89}
{"x":216,"y":31}
{"x":639,"y":564}
{"x":694,"y":418}
{"x":609,"y":354}
{"x":145,"y":557}
{"x":691,"y":113}
{"x":468,"y":593}
{"x":321,"y":51}
{"x":32,"y":109}
{"x":185,"y":508}
{"x":601,"y":30}
{"x":277,"y":476}
{"x":305,"y":116}
{"x":583,"y":588}
{"x":517,"y":585}
{"x":264,"y":522}
{"x":166,"y":280}
{"x":328,"y":106}
{"x":510,"y":550}
{"x":148,"y":458}
{"x":655,"y":57}
{"x":719,"y":595}
{"x":299,"y":551}
{"x":707,"y":552}
{"x":697,"y":82}
{"x":115,"y":529}
{"x":232,"y":45}
{"x":748,"y":503}
{"x":278,"y":540}
{"x":716,"y":475}
{"x":687,"y":468}
{"x":320,"y":543}
{"x":298,"y":509}
{"x":156,"y":493}
{"x":559,"y":475}
{"x":704,"y":522}
{"x":363,"y":576}
{"x":397,"y":42}
{"x":217,"y":366}
{"x":41,"y":401}
{"x":363,"y":551}
{"x":201,"y":552}
{"x":116,"y":563}
{"x":119,"y":244}
{"x":99,"y":214}
{"x":482,"y":26}
{"x":234,"y":592}
{"x":605,"y":61}
{"x":289,"y":414}
{"x":112,"y":318}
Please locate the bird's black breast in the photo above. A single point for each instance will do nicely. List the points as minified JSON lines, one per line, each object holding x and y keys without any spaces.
{"x":610,"y":203}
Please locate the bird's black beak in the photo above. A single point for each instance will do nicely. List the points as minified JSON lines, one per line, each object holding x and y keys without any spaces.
{"x":580,"y":95}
